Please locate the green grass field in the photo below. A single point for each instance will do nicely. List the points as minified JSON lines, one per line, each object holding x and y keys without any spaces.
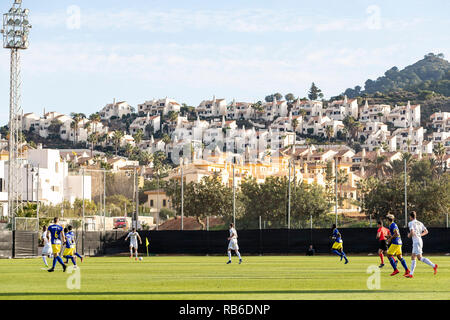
{"x":182,"y":277}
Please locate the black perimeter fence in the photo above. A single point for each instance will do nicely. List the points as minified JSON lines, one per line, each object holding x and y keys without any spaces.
{"x":21,"y":244}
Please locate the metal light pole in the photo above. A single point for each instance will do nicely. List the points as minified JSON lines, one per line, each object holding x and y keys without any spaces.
{"x":234,"y":200}
{"x":336,"y":190}
{"x":83,"y":225}
{"x":32,"y":184}
{"x":104,"y":200}
{"x":289,"y":197}
{"x":136,"y":217}
{"x":406,"y":199}
{"x":28,"y":187}
{"x":16,"y":28}
{"x":37,"y":193}
{"x":157,"y":202}
{"x":62,"y":189}
{"x":182,"y":196}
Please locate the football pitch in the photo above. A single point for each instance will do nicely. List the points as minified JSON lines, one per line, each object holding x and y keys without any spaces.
{"x":209,"y":278}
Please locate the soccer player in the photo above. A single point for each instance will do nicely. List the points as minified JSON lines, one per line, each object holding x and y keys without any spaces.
{"x":233,"y":244}
{"x":47,"y":250}
{"x":133,"y":235}
{"x":56,"y":236}
{"x":338,"y":247}
{"x":382,"y":233}
{"x":74,"y":244}
{"x":69,"y":250}
{"x":416,"y":231}
{"x":395,"y":248}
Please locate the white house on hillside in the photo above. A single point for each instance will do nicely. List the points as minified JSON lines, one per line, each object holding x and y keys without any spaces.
{"x":339,"y":109}
{"x":311,"y":108}
{"x":141,"y":123}
{"x":374,"y":113}
{"x":212,"y":108}
{"x":115,"y":109}
{"x":161,"y":107}
{"x":405,"y":116}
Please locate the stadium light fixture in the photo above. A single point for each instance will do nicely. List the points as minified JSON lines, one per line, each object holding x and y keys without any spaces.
{"x":16,"y":26}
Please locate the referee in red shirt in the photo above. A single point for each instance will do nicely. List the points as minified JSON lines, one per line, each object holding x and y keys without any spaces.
{"x":382,"y":234}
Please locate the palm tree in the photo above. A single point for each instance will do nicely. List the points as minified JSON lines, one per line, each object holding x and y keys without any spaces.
{"x":408,"y":144}
{"x":409,"y":158}
{"x":258,"y":107}
{"x":145,"y":158}
{"x":353,"y":126}
{"x":439,"y":152}
{"x":357,"y":127}
{"x":95,"y":119}
{"x":396,"y":167}
{"x":435,"y":168}
{"x":54,"y":128}
{"x":329,"y":132}
{"x":116,"y":138}
{"x":294,"y":124}
{"x":93,"y":140}
{"x":384,"y":146}
{"x":88,"y":128}
{"x":149,"y":130}
{"x":342,"y":178}
{"x":73,"y":126}
{"x":377,"y":166}
{"x":138,"y":136}
{"x":173,"y":116}
{"x":129,"y":150}
{"x":302,"y":113}
{"x":166,"y":139}
{"x":102,"y":138}
{"x":77,"y":117}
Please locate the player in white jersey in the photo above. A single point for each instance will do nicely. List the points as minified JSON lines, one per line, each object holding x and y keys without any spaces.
{"x":47,"y":250}
{"x":416,"y":231}
{"x":134,"y":236}
{"x":233,"y":244}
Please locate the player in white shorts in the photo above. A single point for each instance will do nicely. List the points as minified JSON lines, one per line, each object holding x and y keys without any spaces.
{"x":416,"y":231}
{"x":47,"y":250}
{"x":134,"y":236}
{"x":233,"y":244}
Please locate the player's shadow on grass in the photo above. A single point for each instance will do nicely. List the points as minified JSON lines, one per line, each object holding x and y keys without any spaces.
{"x":81,"y":293}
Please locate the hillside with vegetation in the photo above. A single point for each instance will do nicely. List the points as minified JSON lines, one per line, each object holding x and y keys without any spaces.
{"x":426,"y":82}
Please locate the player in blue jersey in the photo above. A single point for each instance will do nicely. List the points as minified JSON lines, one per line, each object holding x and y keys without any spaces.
{"x":56,"y":237}
{"x":74,"y":245}
{"x":69,"y":251}
{"x":395,"y":248}
{"x":338,"y":247}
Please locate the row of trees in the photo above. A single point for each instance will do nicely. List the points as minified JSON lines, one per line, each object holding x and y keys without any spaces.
{"x":314,"y":93}
{"x":428,"y":188}
{"x":268,"y":200}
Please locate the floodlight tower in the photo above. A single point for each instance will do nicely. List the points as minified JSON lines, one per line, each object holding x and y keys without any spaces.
{"x":16,"y":28}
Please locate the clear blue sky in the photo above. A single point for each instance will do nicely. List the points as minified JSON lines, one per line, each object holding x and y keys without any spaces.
{"x":191,"y":50}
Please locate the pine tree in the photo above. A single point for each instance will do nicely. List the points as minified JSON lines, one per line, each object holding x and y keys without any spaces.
{"x":314,"y":93}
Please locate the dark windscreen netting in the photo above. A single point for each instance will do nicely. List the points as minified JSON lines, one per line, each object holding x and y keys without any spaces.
{"x":276,"y":241}
{"x":25,"y":244}
{"x":6,"y":244}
